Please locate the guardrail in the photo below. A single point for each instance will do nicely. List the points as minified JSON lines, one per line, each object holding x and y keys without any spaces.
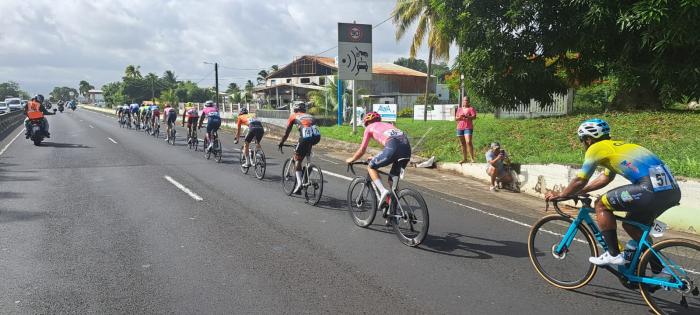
{"x":9,"y":120}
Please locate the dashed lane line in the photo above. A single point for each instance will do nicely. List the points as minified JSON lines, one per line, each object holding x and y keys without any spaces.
{"x":110,"y":139}
{"x":183,"y":188}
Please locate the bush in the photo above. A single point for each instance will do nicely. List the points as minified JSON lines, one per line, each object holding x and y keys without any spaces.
{"x":406,"y":112}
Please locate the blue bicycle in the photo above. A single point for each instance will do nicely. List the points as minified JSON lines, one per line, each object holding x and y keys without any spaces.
{"x":666,"y":273}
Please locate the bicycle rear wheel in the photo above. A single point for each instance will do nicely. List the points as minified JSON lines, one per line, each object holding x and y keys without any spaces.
{"x":207,"y":152}
{"x":241,"y":159}
{"x":288,"y":177}
{"x":362,"y":202}
{"x":313,"y":192}
{"x":411,"y":220}
{"x":570,"y":269}
{"x":678,"y":257}
{"x":260,"y":164}
{"x":218,"y":151}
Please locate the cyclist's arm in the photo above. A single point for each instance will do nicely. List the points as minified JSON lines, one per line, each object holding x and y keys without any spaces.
{"x":238,"y":128}
{"x":598,"y":183}
{"x":363,"y":146}
{"x":286,"y":132}
{"x":184,"y":112}
{"x":201,"y":121}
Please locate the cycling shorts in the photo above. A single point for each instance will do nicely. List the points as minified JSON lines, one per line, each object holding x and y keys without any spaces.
{"x":256,"y":133}
{"x":397,"y":152}
{"x":192,"y":121}
{"x":213,"y":124}
{"x":304,"y":145}
{"x":172,"y":116}
{"x":639,"y":200}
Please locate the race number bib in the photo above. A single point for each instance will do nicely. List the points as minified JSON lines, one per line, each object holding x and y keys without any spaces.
{"x":213,"y":114}
{"x":658,"y":229}
{"x":393,"y":133}
{"x":308,"y":132}
{"x":661,"y":178}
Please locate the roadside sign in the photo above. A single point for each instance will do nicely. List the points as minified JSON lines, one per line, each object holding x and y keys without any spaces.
{"x":354,"y":51}
{"x":387,"y":111}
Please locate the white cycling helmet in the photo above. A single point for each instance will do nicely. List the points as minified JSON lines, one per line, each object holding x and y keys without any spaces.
{"x":209,"y":103}
{"x":594,"y":128}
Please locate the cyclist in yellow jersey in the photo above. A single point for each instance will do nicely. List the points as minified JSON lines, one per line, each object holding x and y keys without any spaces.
{"x":653,"y":189}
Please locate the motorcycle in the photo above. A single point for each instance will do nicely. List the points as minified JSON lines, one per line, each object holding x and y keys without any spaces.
{"x":60,"y":108}
{"x":36,"y":134}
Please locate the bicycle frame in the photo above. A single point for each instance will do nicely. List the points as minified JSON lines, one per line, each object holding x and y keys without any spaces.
{"x":623,"y":271}
{"x":393,"y":190}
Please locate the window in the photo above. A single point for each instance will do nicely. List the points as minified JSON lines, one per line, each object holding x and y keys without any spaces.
{"x":289,"y":80}
{"x":322,"y":81}
{"x":273,"y":82}
{"x":305,"y":81}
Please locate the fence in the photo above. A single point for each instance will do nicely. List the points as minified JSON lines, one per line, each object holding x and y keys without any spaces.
{"x":10,"y":119}
{"x":562,"y":105}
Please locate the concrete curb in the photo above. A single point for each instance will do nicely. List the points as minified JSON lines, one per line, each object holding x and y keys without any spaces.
{"x":10,"y":120}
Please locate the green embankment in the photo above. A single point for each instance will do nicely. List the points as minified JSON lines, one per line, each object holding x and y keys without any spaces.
{"x":673,"y":135}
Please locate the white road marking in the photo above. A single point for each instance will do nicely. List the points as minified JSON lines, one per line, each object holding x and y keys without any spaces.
{"x":337,"y":175}
{"x":91,"y":126}
{"x":183,"y":188}
{"x":422,"y":138}
{"x":110,"y":139}
{"x":11,"y":141}
{"x":329,"y":161}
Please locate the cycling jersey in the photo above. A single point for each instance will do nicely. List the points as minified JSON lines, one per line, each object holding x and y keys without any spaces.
{"x":134,"y":108}
{"x":397,"y":150}
{"x":381,"y":132}
{"x":249,"y":120}
{"x":191,"y":113}
{"x":632,"y":161}
{"x":212,"y":113}
{"x":306,"y":125}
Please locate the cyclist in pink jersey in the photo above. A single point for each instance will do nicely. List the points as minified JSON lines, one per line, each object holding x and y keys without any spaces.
{"x":397,"y":150}
{"x":211,"y":113}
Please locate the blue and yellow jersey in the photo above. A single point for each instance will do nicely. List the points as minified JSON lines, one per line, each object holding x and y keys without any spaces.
{"x":632,"y":161}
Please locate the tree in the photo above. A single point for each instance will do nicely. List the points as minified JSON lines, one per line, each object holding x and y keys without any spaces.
{"x":113,"y":94}
{"x":233,"y":88}
{"x":262,"y":76}
{"x":133,"y":72}
{"x":12,"y":89}
{"x":517,"y":50}
{"x":169,"y":97}
{"x":424,"y":13}
{"x":169,"y":79}
{"x":84,"y":87}
{"x":62,"y":93}
{"x":274,"y":68}
{"x":412,"y":63}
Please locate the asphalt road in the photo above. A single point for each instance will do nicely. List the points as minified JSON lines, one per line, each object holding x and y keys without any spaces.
{"x":89,"y":224}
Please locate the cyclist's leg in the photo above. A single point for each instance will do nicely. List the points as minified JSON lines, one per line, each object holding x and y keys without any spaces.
{"x":382,"y":159}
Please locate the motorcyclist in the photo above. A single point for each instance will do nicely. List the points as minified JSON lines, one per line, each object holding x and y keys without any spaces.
{"x":35,"y":110}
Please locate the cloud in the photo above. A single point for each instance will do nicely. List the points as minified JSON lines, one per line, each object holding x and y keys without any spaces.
{"x":47,"y":43}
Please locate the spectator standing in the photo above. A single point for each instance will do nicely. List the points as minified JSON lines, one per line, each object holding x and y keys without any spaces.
{"x":465,"y":116}
{"x":495,"y":158}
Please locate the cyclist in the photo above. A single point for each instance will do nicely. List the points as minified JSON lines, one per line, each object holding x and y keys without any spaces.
{"x":653,"y":189}
{"x":309,"y":135}
{"x":211,"y":113}
{"x":169,"y":116}
{"x":255,"y":131}
{"x":142,"y":115}
{"x":120,"y":113}
{"x":155,"y":118}
{"x":190,"y":115}
{"x":134,"y":110}
{"x":397,"y":150}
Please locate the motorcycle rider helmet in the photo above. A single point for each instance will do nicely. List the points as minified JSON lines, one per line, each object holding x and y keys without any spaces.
{"x":39,"y":98}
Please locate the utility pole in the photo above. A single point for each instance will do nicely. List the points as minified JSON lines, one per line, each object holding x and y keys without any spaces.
{"x":216,"y":75}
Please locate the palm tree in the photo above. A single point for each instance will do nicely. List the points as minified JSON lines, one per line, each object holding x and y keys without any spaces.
{"x":169,"y":97}
{"x":249,"y":89}
{"x":133,"y":72}
{"x":408,"y":12}
{"x":169,"y":78}
{"x":262,"y":76}
{"x":274,"y":68}
{"x":84,"y":87}
{"x":233,"y":88}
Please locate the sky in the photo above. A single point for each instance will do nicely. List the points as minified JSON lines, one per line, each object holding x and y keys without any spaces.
{"x":44,"y":44}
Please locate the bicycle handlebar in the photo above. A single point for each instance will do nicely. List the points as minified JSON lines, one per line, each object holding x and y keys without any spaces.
{"x":286,"y":145}
{"x":585,"y":200}
{"x":352,"y":169}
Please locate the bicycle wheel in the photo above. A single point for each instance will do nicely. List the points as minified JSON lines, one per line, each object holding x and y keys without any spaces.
{"x":260,"y":164}
{"x":241,"y":159}
{"x":362,"y":202}
{"x":314,"y":190}
{"x":288,"y":177}
{"x":172,"y":136}
{"x":411,"y":220}
{"x":678,"y":257}
{"x":207,"y":152}
{"x":570,"y":269}
{"x":218,"y":151}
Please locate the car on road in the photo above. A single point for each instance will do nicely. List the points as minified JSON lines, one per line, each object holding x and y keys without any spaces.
{"x":3,"y":108}
{"x":14,"y":103}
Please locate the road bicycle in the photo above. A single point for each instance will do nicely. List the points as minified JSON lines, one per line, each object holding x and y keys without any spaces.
{"x":666,"y":273}
{"x":192,"y":140}
{"x":122,"y":121}
{"x":256,"y":157}
{"x":405,"y":210}
{"x":215,"y":148}
{"x":156,"y":128}
{"x":171,"y":136}
{"x":311,"y":182}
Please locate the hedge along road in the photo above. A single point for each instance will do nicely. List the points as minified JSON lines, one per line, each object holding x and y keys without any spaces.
{"x":93,"y":225}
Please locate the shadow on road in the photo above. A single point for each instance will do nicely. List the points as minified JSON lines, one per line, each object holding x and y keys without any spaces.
{"x":333,"y":204}
{"x":10,"y":195}
{"x":621,"y":295}
{"x":65,"y":145}
{"x":7,"y":216}
{"x":457,"y":245}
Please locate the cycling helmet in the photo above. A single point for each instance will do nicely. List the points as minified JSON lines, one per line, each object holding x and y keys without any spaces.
{"x":594,"y":128}
{"x":39,"y":98}
{"x":243,"y":111}
{"x":371,"y":117}
{"x":209,"y":103}
{"x":299,"y":107}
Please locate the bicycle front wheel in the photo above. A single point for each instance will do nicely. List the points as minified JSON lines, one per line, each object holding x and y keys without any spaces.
{"x":569,"y":269}
{"x":260,"y":164}
{"x":362,"y":202}
{"x":314,"y":190}
{"x":676,"y":262}
{"x":411,"y":221}
{"x":288,"y":177}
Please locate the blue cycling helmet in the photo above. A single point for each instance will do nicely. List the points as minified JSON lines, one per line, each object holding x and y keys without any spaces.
{"x":594,"y":128}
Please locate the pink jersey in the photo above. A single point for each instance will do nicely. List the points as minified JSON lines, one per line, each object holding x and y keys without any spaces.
{"x":466,"y":124}
{"x":380,"y":131}
{"x":210,"y":112}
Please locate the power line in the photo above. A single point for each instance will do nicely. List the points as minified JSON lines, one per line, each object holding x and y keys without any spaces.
{"x":208,"y":74}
